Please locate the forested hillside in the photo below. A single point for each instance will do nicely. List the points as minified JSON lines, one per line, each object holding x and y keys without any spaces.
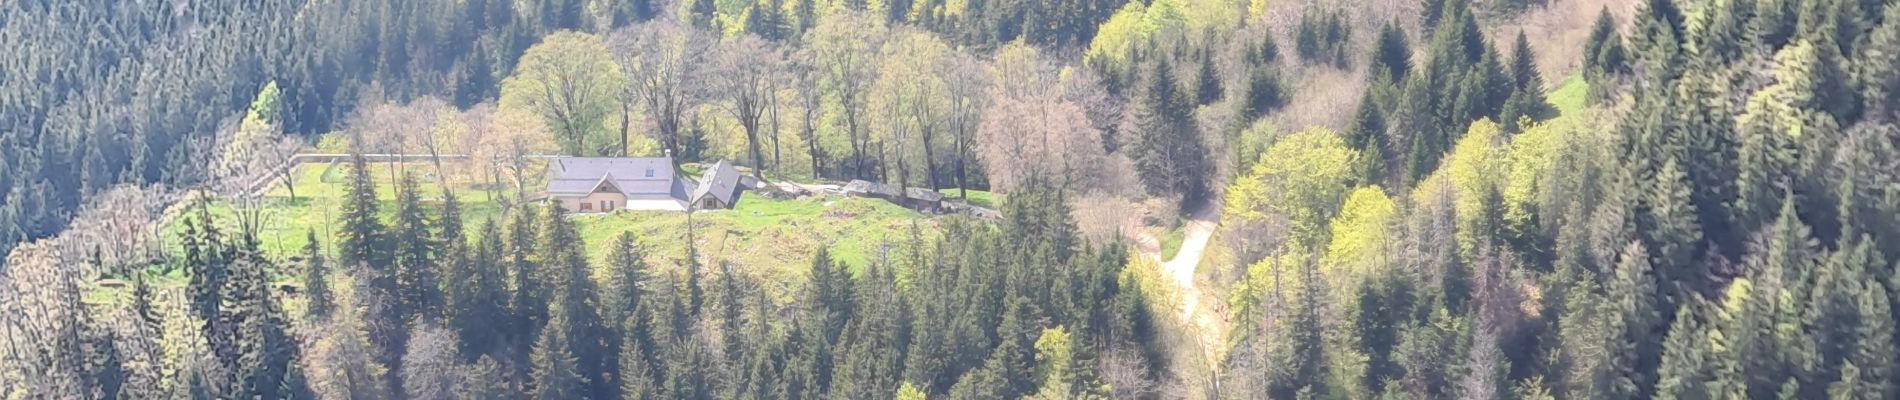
{"x":1517,"y":199}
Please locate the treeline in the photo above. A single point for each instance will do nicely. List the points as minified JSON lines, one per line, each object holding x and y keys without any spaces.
{"x":106,"y":92}
{"x":111,"y":92}
{"x":1719,"y":222}
{"x":407,"y":307}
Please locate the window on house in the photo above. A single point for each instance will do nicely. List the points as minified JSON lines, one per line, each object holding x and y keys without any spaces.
{"x":585,"y":206}
{"x":606,"y":205}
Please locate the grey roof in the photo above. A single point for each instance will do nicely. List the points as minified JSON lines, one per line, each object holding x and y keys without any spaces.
{"x":923,"y":194}
{"x":721,"y":181}
{"x":869,"y":188}
{"x":638,"y":178}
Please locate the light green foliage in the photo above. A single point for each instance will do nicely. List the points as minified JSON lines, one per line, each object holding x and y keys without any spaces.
{"x":1302,"y":177}
{"x":1532,"y":156}
{"x":1473,"y":169}
{"x":264,"y":109}
{"x":570,"y":80}
{"x":910,"y":392}
{"x":1130,"y":28}
{"x":1054,"y":359}
{"x":1274,"y":279}
{"x":1359,"y":246}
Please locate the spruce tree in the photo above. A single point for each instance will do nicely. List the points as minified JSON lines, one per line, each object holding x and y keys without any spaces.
{"x":1723,"y":34}
{"x":479,"y":296}
{"x":1168,"y":153}
{"x":1524,"y":67}
{"x":264,"y":348}
{"x":1633,"y":347}
{"x":1014,"y":356}
{"x":360,"y":244}
{"x":1774,"y":22}
{"x":628,"y":263}
{"x":556,"y":375}
{"x":1207,"y":87}
{"x":1673,"y":231}
{"x":530,"y":292}
{"x":416,"y":254}
{"x":1391,"y":54}
{"x":144,"y":357}
{"x":636,"y":375}
{"x":575,"y":293}
{"x":1877,"y":66}
{"x":316,"y":280}
{"x":1687,"y":367}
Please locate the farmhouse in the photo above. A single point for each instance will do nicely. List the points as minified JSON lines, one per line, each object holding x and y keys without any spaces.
{"x":606,"y":184}
{"x":719,"y":187}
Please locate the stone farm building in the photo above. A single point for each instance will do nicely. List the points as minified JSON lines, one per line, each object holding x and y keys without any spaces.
{"x":607,"y":184}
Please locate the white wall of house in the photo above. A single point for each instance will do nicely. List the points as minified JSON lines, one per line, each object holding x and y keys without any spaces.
{"x":656,"y":205}
{"x":595,"y":202}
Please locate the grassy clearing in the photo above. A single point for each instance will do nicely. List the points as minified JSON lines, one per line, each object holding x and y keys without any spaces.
{"x":1171,"y":242}
{"x":1570,"y":95}
{"x":771,"y":239}
{"x":979,"y":198}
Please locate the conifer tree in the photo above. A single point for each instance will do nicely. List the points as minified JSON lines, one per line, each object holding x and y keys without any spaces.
{"x":1524,"y":73}
{"x":264,"y":349}
{"x":1014,"y":356}
{"x":556,"y":373}
{"x":1167,"y":150}
{"x":415,"y":254}
{"x":1722,"y":35}
{"x":1877,"y":65}
{"x":1391,"y":55}
{"x":144,"y":358}
{"x":1207,"y":87}
{"x":1633,"y":347}
{"x":360,"y":242}
{"x":316,"y":280}
{"x":628,"y":263}
{"x":1686,"y":368}
{"x":636,"y":375}
{"x":576,"y":295}
{"x":1774,"y":22}
{"x":1675,"y":234}
{"x":479,"y":296}
{"x":530,"y":291}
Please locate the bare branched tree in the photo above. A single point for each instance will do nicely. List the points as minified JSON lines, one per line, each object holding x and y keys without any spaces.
{"x":662,"y":61}
{"x":1038,"y":136}
{"x":746,"y":68}
{"x":842,"y":48}
{"x":967,"y":82}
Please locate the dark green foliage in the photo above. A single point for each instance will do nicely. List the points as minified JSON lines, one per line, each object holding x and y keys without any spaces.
{"x":1877,"y":65}
{"x":556,"y":374}
{"x":1391,"y":54}
{"x":360,"y":244}
{"x":1265,"y":92}
{"x":264,"y":350}
{"x":1168,"y":153}
{"x":1367,"y":131}
{"x":416,"y":254}
{"x":1686,"y":370}
{"x":575,"y":294}
{"x":1207,"y":86}
{"x":478,"y":295}
{"x":1604,"y":57}
{"x":316,"y":281}
{"x":1632,"y":317}
{"x":1324,"y":37}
